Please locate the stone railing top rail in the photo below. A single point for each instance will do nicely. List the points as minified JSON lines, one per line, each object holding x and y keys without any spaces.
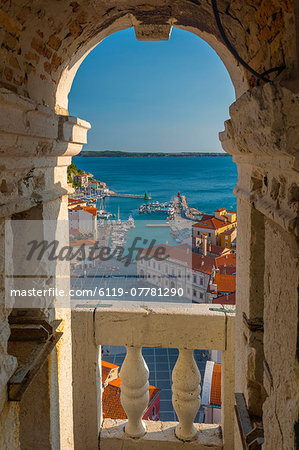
{"x":191,"y":326}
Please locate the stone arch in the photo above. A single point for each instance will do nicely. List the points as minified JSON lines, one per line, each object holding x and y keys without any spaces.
{"x":43,"y":43}
{"x":236,"y":72}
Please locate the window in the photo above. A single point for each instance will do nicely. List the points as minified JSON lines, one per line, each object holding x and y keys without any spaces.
{"x":194,"y":278}
{"x":194,"y":293}
{"x":154,"y":413}
{"x":201,"y":295}
{"x":201,"y":281}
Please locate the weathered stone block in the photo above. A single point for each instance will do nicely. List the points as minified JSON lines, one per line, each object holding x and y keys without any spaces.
{"x":54,"y":42}
{"x":13,"y":26}
{"x":150,"y":32}
{"x":41,"y":48}
{"x":265,"y":11}
{"x":75,"y":29}
{"x":32,"y":57}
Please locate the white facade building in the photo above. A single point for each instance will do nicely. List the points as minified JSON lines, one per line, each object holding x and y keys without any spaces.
{"x":182,"y":269}
{"x":84,"y":219}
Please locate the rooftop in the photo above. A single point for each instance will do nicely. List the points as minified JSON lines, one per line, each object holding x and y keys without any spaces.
{"x":77,"y":243}
{"x":225,"y":283}
{"x":227,"y":299}
{"x":112,"y":407}
{"x":229,"y":259}
{"x":183,"y":253}
{"x":215,"y":396}
{"x":212,"y":224}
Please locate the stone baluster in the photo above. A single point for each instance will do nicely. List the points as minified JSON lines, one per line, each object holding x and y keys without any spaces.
{"x":134,"y":395}
{"x":186,"y":394}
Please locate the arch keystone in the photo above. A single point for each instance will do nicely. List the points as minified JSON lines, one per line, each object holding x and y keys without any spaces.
{"x":152,"y":32}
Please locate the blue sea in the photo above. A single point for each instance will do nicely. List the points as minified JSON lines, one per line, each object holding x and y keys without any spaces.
{"x":207,"y":182}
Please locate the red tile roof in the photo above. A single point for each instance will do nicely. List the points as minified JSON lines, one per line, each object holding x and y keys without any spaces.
{"x":229,"y":259}
{"x":203,"y":263}
{"x":215,"y":249}
{"x":215,"y":396}
{"x":211,"y":224}
{"x":106,"y":369}
{"x":89,"y":209}
{"x":206,"y":217}
{"x":111,"y":404}
{"x":228,"y":299}
{"x":73,"y":200}
{"x":225,"y":283}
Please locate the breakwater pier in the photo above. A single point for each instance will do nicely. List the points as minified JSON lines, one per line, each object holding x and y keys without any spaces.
{"x":115,"y":194}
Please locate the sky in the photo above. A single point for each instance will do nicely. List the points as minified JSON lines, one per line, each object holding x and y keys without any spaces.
{"x":166,"y":96}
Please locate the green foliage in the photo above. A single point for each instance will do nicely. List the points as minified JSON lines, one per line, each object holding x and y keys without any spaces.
{"x":73,"y":170}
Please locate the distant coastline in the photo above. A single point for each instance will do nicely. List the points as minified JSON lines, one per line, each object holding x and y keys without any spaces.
{"x":120,"y":154}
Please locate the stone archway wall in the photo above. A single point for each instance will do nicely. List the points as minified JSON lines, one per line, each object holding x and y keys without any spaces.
{"x":42,"y":39}
{"x":42,"y":45}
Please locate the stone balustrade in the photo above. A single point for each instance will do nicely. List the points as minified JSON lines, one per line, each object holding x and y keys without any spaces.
{"x":133,"y":325}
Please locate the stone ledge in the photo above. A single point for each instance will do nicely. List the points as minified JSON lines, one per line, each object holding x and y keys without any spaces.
{"x":20,"y":204}
{"x":22,"y":117}
{"x":161,"y":325}
{"x":160,"y":436}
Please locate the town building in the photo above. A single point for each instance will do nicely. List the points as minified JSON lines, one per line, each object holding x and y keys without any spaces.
{"x":83,"y":218}
{"x":223,"y":279}
{"x":227,"y":299}
{"x":81,"y":259}
{"x":211,"y":392}
{"x":182,"y":269}
{"x":213,"y":226}
{"x":73,"y":203}
{"x":81,"y":180}
{"x":210,"y":249}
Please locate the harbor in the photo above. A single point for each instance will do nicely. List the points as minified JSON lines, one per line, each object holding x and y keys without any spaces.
{"x":116,"y":213}
{"x":157,"y":207}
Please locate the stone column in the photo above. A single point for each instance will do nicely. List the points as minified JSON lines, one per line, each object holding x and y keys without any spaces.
{"x":36,"y":148}
{"x":263,"y":135}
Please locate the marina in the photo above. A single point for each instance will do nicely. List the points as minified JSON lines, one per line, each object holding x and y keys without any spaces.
{"x":156,"y":207}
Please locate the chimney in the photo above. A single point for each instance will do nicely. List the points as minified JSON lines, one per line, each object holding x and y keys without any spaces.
{"x":205,"y":241}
